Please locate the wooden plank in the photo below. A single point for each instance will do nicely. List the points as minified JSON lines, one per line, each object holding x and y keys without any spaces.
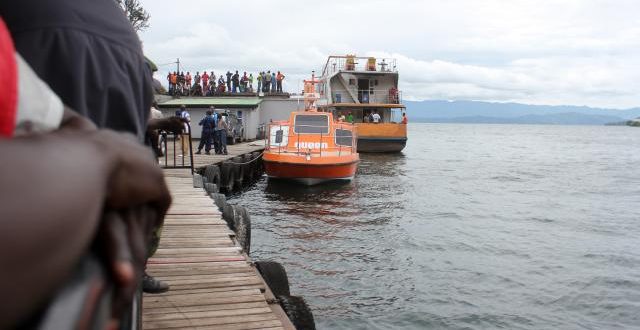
{"x":209,"y":321}
{"x":207,"y":314}
{"x":166,"y":310}
{"x":188,"y":260}
{"x":176,"y":292}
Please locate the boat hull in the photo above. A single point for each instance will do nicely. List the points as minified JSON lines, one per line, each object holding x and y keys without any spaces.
{"x":383,"y":137}
{"x":372,"y":145}
{"x":310,"y":174}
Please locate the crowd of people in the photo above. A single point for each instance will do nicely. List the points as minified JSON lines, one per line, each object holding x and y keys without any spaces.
{"x":208,"y":84}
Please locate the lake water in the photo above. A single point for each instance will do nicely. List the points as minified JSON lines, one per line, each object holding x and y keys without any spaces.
{"x":471,"y":227}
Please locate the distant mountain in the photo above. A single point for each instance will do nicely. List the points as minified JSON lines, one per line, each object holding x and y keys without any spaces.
{"x":513,"y":113}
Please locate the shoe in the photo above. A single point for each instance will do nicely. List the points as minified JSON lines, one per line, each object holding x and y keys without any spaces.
{"x":225,"y":153}
{"x":207,"y":153}
{"x":198,"y":152}
{"x":151,"y":285}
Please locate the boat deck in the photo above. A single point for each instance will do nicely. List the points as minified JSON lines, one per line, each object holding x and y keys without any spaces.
{"x":213,"y":283}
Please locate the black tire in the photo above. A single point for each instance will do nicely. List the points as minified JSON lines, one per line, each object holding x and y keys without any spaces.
{"x":228,"y":215}
{"x":242,"y":228}
{"x":239,"y":170}
{"x":298,"y":312}
{"x":220,"y":200}
{"x":211,"y":188}
{"x":198,"y":181}
{"x":258,"y":167}
{"x":249,"y":167}
{"x":227,"y":177}
{"x":212,"y":173}
{"x":275,"y":276}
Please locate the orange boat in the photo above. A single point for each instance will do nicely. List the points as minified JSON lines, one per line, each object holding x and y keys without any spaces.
{"x":311,"y":147}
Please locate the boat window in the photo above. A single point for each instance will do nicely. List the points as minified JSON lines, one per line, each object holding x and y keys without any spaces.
{"x":344,"y":137}
{"x":311,"y":124}
{"x":279,"y":136}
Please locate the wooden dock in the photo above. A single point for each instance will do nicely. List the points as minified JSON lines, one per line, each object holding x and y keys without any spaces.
{"x":204,"y":160}
{"x":213,"y":282}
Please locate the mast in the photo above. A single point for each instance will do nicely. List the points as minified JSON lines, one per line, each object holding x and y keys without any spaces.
{"x":310,"y":95}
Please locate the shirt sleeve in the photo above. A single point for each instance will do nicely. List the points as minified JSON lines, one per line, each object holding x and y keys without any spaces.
{"x":40,"y":110}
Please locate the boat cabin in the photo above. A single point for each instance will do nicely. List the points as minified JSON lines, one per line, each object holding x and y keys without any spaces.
{"x":312,"y":133}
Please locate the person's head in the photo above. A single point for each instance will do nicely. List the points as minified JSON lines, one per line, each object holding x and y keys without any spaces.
{"x":278,"y":72}
{"x":183,"y":108}
{"x":236,"y":71}
{"x":273,"y":74}
{"x":188,"y":73}
{"x":209,"y":112}
{"x":404,"y":114}
{"x":198,"y":72}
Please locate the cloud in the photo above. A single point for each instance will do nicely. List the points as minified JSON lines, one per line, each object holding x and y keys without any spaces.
{"x":581,"y":52}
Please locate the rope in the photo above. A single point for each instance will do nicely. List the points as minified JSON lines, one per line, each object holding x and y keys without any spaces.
{"x":249,"y":162}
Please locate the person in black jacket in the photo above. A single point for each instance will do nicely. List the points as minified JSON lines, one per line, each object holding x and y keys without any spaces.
{"x":89,"y":55}
{"x":208,"y":124}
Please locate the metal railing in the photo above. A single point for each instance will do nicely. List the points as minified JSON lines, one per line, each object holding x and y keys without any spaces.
{"x":279,"y":139}
{"x":365,"y":96}
{"x":171,"y":142}
{"x":359,"y":63}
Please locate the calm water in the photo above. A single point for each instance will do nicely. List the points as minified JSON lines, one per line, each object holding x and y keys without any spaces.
{"x":472,"y":227}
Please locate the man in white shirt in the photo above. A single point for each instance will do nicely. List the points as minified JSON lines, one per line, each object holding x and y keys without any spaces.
{"x":184,"y":114}
{"x":376,"y":117}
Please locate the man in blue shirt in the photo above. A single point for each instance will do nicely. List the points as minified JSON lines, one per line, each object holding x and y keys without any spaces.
{"x":208,"y":124}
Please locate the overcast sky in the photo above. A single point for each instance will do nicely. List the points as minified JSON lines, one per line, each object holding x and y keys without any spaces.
{"x":576,"y":52}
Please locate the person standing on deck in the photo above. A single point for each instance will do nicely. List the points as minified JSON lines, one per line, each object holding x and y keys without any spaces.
{"x":188,"y":79}
{"x":184,"y":137}
{"x":259,"y":89}
{"x":279,"y":78}
{"x":169,"y":79}
{"x":212,"y":82}
{"x":229,"y":75}
{"x":251,"y":82}
{"x":196,"y":78}
{"x":236,"y":81}
{"x":267,"y":81}
{"x":222,"y":129}
{"x":216,"y":138}
{"x":208,"y":124}
{"x":405,"y":120}
{"x":273,"y":83}
{"x":205,"y":82}
{"x":350,"y":117}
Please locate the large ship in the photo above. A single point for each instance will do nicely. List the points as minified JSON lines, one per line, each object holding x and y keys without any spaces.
{"x":311,"y":147}
{"x":365,"y":89}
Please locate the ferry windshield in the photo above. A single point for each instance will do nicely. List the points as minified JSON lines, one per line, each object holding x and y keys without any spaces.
{"x":344,"y":137}
{"x":318,"y":124}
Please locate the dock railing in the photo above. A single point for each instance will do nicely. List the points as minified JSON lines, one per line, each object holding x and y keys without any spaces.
{"x":366,"y":96}
{"x":359,"y":64}
{"x":341,"y":141}
{"x":172,"y":143}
